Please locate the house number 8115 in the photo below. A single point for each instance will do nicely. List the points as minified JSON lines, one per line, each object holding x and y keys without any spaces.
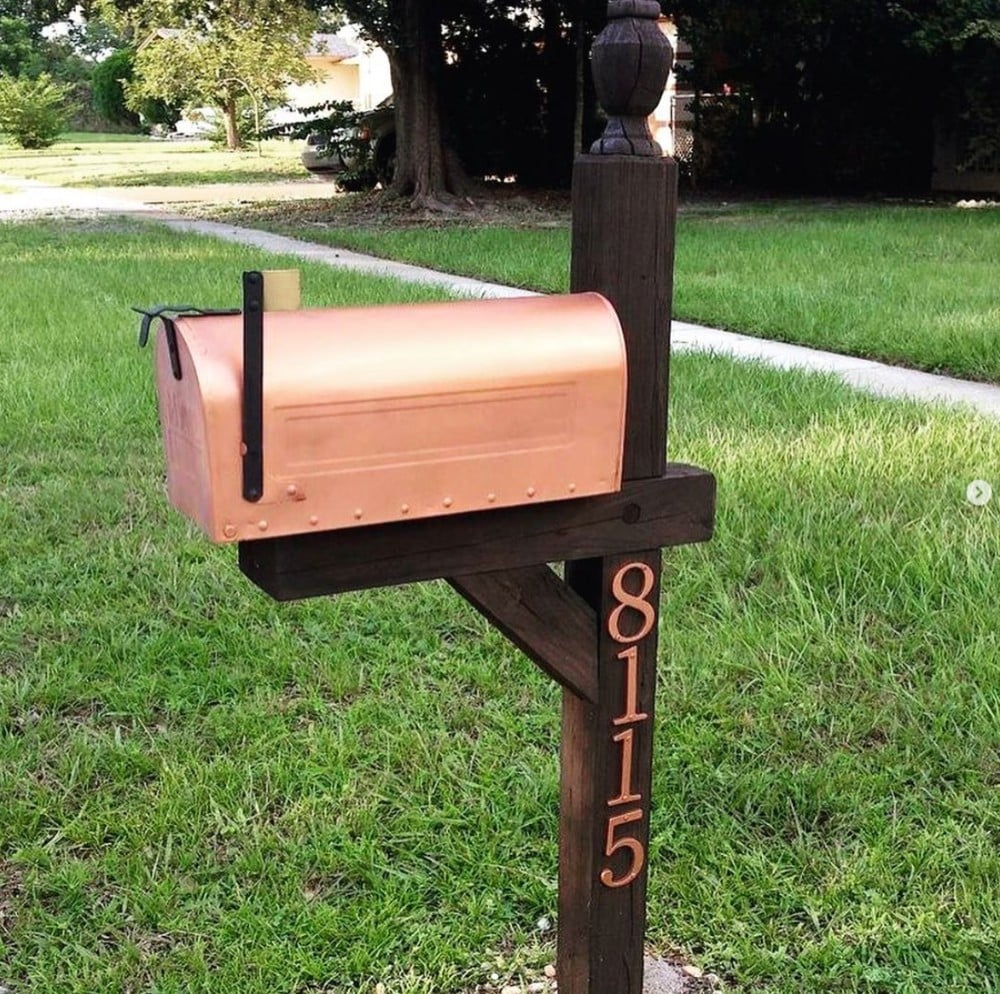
{"x":631,"y":716}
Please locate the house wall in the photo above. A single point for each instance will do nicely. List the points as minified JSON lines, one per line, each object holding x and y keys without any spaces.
{"x":672,"y":120}
{"x":363,"y":79}
{"x":374,"y":79}
{"x":338,"y":81}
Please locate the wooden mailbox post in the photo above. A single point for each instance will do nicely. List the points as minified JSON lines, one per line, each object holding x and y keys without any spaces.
{"x":595,"y":631}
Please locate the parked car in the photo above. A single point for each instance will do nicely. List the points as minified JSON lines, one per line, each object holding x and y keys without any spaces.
{"x":322,"y":154}
{"x":357,"y":150}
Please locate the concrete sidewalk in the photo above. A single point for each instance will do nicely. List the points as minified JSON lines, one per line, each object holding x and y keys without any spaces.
{"x":30,"y":198}
{"x":861,"y":374}
{"x":33,"y":198}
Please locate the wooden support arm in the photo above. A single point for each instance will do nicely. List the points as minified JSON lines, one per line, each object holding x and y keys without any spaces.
{"x":550,"y":623}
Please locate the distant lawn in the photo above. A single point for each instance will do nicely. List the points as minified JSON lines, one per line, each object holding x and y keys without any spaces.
{"x":913,"y":286}
{"x":99,"y":137}
{"x":81,"y":159}
{"x":203,"y":790}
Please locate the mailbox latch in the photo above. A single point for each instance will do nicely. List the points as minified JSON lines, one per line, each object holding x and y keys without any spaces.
{"x":166,"y":314}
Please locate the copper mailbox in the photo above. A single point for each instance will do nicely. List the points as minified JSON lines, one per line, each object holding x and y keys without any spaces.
{"x":394,"y":413}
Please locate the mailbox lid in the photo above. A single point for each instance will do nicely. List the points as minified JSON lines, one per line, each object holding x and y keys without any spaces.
{"x":387,"y":413}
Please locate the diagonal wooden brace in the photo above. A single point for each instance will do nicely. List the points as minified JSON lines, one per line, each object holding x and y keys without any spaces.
{"x":544,"y":618}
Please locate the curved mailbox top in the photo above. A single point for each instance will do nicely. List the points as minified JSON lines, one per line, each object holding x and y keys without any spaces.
{"x":395,"y":413}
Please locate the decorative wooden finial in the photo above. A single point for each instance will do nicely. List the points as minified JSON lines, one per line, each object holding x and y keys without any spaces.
{"x":631,"y":65}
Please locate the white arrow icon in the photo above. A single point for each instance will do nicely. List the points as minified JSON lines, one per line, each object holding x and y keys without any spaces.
{"x":979,"y":493}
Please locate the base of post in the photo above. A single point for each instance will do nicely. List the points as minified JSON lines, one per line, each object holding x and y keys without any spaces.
{"x":661,"y":977}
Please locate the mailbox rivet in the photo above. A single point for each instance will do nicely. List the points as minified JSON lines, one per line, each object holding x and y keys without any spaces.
{"x":229,"y":531}
{"x":492,"y":498}
{"x":405,"y":509}
{"x":572,"y":488}
{"x":531,"y":491}
{"x":262,"y":525}
{"x":291,"y":490}
{"x":313,"y":520}
{"x":358,"y":514}
{"x":447,"y":502}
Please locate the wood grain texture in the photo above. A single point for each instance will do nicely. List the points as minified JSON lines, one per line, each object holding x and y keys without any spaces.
{"x":676,"y":509}
{"x":631,"y":60}
{"x":602,"y":929}
{"x":624,"y":211}
{"x":623,"y":247}
{"x":544,"y":618}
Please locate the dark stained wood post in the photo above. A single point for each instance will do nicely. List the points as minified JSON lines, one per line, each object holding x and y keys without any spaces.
{"x":624,"y":209}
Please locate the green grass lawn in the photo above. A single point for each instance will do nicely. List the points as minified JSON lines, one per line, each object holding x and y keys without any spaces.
{"x":205,"y":791}
{"x":80,"y":159}
{"x":908,"y":285}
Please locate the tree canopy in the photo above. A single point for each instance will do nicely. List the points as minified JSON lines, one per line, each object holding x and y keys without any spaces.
{"x":37,"y":14}
{"x":816,"y":93}
{"x":840,"y":92}
{"x":215,"y":52}
{"x":17,"y":46}
{"x":501,"y":80}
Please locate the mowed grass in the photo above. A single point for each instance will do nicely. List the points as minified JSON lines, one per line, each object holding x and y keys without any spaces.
{"x":915,"y":286}
{"x":205,"y":791}
{"x":135,"y":160}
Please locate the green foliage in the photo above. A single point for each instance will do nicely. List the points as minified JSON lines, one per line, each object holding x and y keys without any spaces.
{"x":961,"y":40}
{"x":33,"y":112}
{"x":829,"y":94}
{"x":93,"y":38}
{"x":108,"y":83}
{"x":218,"y":54}
{"x":509,"y":88}
{"x":17,"y":46}
{"x":341,"y":126}
{"x":108,"y":90}
{"x":37,"y":14}
{"x":844,"y":93}
{"x":977,"y":58}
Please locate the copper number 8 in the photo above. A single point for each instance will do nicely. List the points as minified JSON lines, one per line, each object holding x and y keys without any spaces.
{"x":637,"y":602}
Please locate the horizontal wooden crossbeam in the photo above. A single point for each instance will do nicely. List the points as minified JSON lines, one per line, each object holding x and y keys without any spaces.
{"x":676,"y":509}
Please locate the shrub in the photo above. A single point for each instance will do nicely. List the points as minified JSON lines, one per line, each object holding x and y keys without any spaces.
{"x":108,"y":82}
{"x":342,"y":131}
{"x":33,"y":112}
{"x":107,"y":92}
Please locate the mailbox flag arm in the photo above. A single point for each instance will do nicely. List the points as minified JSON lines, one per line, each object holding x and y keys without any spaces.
{"x":253,"y":386}
{"x":166,"y":314}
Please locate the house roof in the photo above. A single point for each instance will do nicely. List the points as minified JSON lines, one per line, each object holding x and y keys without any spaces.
{"x":329,"y":45}
{"x":333,"y":47}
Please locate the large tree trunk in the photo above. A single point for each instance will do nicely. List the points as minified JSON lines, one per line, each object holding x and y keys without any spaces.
{"x":425,"y":169}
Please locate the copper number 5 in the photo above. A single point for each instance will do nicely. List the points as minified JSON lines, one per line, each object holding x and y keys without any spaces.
{"x":612,"y":845}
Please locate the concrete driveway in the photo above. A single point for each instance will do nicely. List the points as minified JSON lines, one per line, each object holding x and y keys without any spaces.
{"x":21,"y":197}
